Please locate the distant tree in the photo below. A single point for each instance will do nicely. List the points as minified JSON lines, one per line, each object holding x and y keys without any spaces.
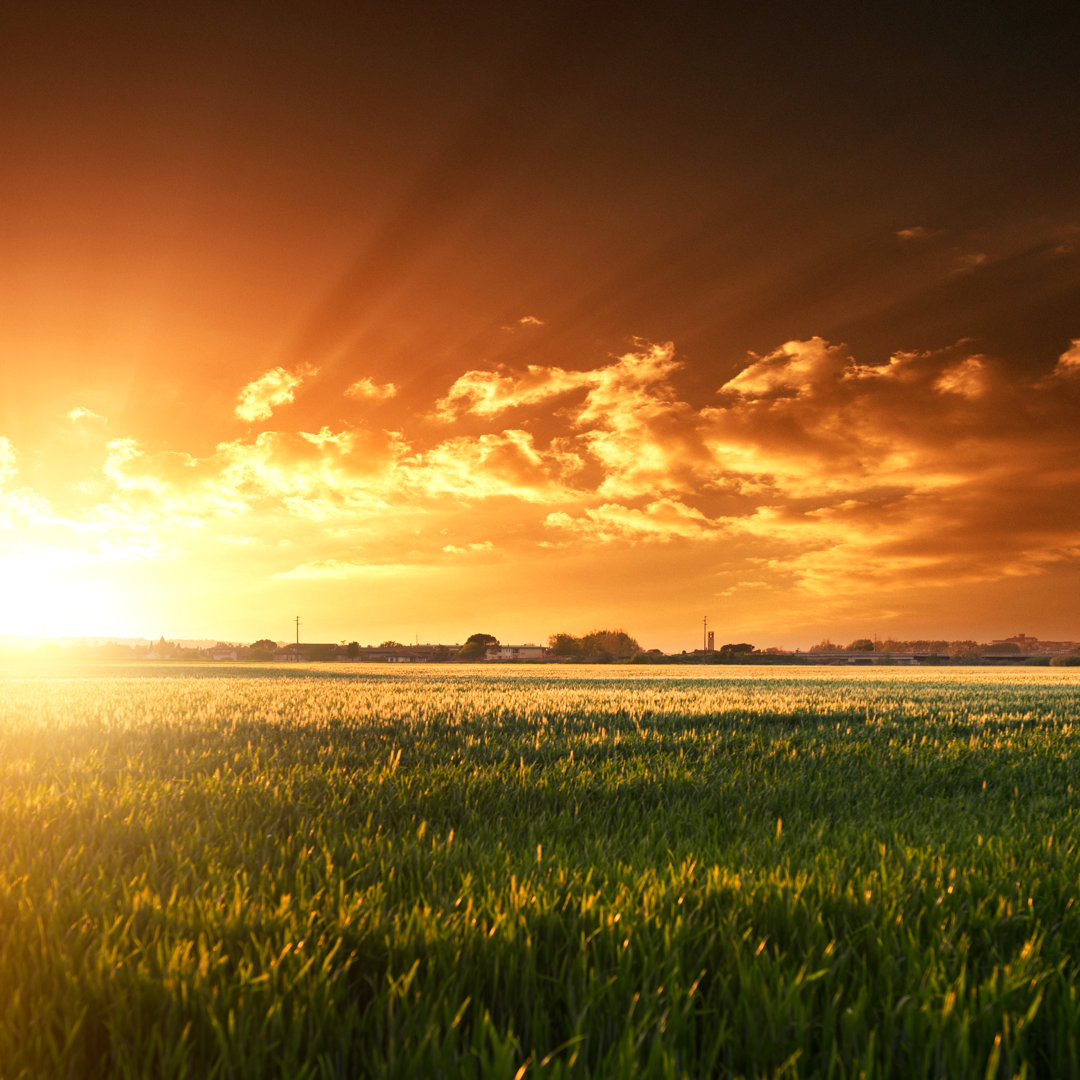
{"x":615,"y":643}
{"x":1068,"y":660}
{"x":476,"y":646}
{"x":737,"y":648}
{"x":862,"y":644}
{"x":600,"y":646}
{"x":352,"y":650}
{"x":391,"y":645}
{"x":564,"y":645}
{"x":320,"y":652}
{"x":472,"y":650}
{"x":961,"y":649}
{"x":971,"y":653}
{"x":263,"y":649}
{"x":825,"y":646}
{"x":652,"y":656}
{"x":1004,"y":647}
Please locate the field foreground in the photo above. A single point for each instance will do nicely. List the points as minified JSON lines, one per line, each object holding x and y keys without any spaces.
{"x":338,"y":871}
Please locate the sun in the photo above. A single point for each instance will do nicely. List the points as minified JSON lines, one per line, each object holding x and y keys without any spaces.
{"x":52,"y":594}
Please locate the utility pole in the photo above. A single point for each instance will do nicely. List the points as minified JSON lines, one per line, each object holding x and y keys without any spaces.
{"x":705,"y":634}
{"x":298,"y":630}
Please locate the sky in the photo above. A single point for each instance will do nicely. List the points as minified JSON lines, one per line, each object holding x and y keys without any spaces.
{"x":420,"y":320}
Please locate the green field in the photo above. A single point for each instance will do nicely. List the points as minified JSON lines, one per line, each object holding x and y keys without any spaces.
{"x":341,"y":871}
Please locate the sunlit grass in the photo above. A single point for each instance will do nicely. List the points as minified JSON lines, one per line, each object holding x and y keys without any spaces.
{"x":342,"y":871}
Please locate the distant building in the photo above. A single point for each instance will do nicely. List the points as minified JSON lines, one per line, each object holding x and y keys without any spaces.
{"x":515,"y":652}
{"x":402,"y":654}
{"x":1033,"y":646}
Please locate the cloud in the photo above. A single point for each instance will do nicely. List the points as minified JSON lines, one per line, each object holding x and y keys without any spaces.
{"x":525,"y":320}
{"x":475,"y":546}
{"x":338,"y":569}
{"x":808,"y":472}
{"x":260,"y":397}
{"x":367,"y":389}
{"x":969,"y":378}
{"x":935,"y":468}
{"x":970,"y":261}
{"x":83,"y":415}
{"x":1068,"y":363}
{"x":795,"y":368}
{"x":660,"y":521}
{"x":807,"y":420}
{"x":917,"y":232}
{"x":488,"y":393}
{"x":506,"y":464}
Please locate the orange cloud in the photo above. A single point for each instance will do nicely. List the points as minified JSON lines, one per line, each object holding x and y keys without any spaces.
{"x":488,"y":393}
{"x":84,"y":415}
{"x":504,"y":464}
{"x":1069,"y":361}
{"x":917,"y":232}
{"x":262,"y":396}
{"x":659,"y":521}
{"x":367,"y":389}
{"x":968,"y":378}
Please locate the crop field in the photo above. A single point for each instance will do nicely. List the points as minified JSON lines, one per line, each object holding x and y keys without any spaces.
{"x":345,"y":871}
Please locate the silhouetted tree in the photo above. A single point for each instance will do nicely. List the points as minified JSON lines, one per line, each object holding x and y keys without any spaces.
{"x":600,"y":645}
{"x":263,"y":649}
{"x":476,"y":646}
{"x":564,"y":645}
{"x":737,"y":648}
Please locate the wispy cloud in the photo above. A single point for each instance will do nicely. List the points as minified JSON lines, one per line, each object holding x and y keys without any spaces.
{"x":367,"y":389}
{"x":340,"y":569}
{"x":526,"y":320}
{"x":80,"y":415}
{"x":659,"y":521}
{"x":917,"y":232}
{"x":967,"y":262}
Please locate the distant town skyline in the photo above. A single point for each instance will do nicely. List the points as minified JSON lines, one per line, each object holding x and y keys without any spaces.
{"x":1025,"y":643}
{"x":395,"y":315}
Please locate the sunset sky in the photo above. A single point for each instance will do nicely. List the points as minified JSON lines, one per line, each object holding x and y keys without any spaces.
{"x":417,"y":320}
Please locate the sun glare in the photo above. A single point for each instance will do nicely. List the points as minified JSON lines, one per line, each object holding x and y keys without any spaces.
{"x":44,"y":598}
